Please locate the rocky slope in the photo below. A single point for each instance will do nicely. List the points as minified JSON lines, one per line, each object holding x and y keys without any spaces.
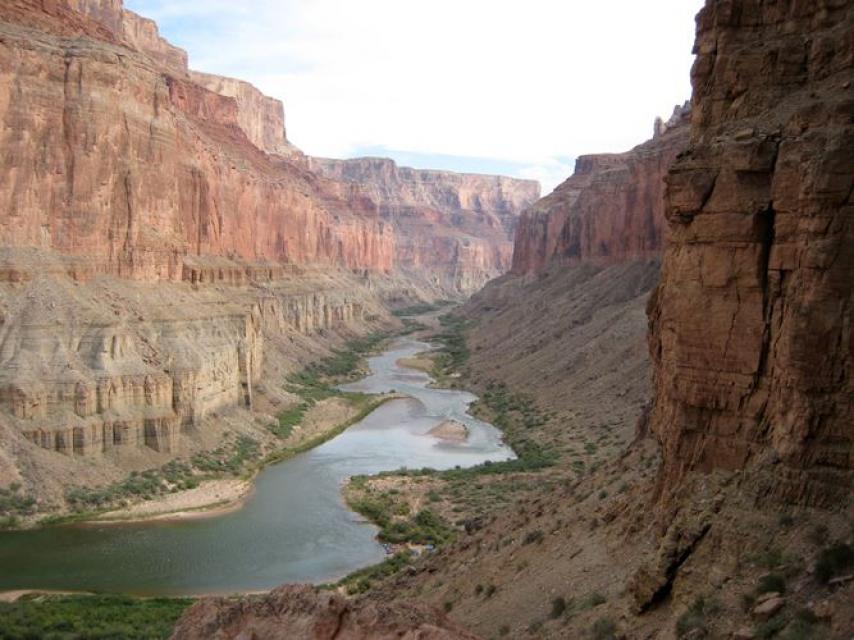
{"x":456,"y":227}
{"x":302,"y":612}
{"x":609,"y":211}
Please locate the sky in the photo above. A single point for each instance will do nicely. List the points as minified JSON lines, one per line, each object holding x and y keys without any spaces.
{"x":516,"y":87}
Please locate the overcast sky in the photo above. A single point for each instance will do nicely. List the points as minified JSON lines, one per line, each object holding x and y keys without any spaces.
{"x":515,"y":87}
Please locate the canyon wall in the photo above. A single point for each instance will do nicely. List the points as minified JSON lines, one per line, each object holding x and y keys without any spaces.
{"x":260,"y":117}
{"x":751,"y":326}
{"x":609,"y":211}
{"x":88,"y":368}
{"x":128,"y":165}
{"x":158,"y":233}
{"x":154,"y":239}
{"x":455,"y":227}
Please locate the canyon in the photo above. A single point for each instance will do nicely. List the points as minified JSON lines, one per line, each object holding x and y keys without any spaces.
{"x":690,"y":364}
{"x":666,"y":339}
{"x":166,"y":254}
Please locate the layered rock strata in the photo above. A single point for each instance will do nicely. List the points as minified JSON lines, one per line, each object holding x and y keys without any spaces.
{"x":456,"y":227}
{"x":85,"y":369}
{"x":609,"y":211}
{"x":119,"y":160}
{"x":751,"y":332}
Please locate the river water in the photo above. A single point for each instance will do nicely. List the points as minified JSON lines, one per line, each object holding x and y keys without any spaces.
{"x":295,"y":526}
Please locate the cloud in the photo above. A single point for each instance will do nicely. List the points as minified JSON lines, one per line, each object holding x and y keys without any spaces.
{"x":524,"y":82}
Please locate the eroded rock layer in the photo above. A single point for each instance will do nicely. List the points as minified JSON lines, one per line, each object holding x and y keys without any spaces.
{"x":609,"y":211}
{"x":303,"y":612}
{"x":751,"y":327}
{"x":87,"y":368}
{"x":455,"y":227}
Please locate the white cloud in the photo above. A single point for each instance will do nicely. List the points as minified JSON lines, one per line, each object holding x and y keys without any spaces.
{"x":526,"y":82}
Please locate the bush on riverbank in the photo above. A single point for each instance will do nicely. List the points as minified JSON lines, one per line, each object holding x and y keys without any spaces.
{"x":453,"y":353}
{"x":361,"y":581}
{"x":14,"y":503}
{"x":390,"y":515}
{"x":231,"y":458}
{"x":420,"y":309}
{"x":317,"y":381}
{"x":172,"y":476}
{"x":79,"y":617}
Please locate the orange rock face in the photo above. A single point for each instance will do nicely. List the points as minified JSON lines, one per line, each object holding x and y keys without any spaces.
{"x":455,"y":227}
{"x":751,"y":327}
{"x":610,"y":210}
{"x":114,"y":157}
{"x":120,"y":158}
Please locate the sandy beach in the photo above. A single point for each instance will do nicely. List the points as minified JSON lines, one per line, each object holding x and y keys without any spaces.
{"x":210,"y":498}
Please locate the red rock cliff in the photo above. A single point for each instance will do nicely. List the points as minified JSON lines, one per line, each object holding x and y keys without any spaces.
{"x":751,"y":326}
{"x":137,"y":32}
{"x":114,"y":156}
{"x":260,"y":117}
{"x":456,"y":227}
{"x":610,"y":210}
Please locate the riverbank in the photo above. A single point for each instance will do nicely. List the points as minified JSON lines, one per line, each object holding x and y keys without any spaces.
{"x":418,"y":507}
{"x":217,"y":497}
{"x":217,"y":481}
{"x":298,"y":502}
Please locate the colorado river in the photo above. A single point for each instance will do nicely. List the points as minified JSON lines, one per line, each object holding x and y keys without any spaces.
{"x":295,"y":526}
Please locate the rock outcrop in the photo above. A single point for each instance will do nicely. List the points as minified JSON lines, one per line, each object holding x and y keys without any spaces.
{"x":751,"y":326}
{"x":132,"y":29}
{"x":86,"y":369}
{"x":260,"y":117}
{"x":455,"y":227}
{"x":292,"y":612}
{"x":611,"y":210}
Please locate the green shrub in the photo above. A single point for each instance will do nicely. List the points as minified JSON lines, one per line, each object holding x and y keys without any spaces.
{"x":604,"y":629}
{"x":558,"y":608}
{"x":533,"y":536}
{"x":771,"y":582}
{"x":695,"y":617}
{"x":593,"y":599}
{"x":73,"y":617}
{"x":14,"y":503}
{"x":832,"y":561}
{"x":770,"y":628}
{"x":362,"y":580}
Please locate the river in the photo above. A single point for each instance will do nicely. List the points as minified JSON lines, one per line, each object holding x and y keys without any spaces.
{"x":294,"y":527}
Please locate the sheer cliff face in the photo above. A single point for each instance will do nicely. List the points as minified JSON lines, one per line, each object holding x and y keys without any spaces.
{"x":260,"y":117}
{"x":456,"y":227}
{"x":751,"y":327}
{"x":112,"y":154}
{"x":609,"y":211}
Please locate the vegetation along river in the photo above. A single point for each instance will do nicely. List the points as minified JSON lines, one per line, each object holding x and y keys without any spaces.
{"x":295,"y":526}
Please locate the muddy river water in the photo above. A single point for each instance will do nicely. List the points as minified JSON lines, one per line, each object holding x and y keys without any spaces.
{"x":294,"y":527}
